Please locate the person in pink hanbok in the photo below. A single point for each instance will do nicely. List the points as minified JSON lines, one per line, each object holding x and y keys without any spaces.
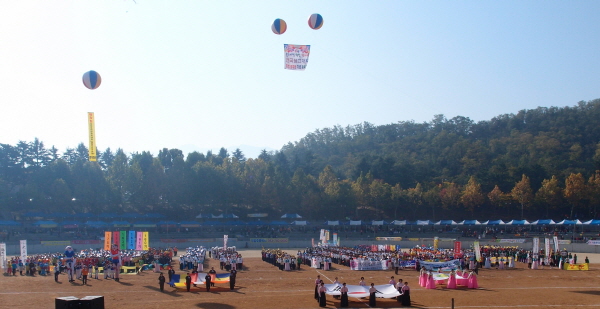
{"x":430,"y":281}
{"x":473,"y":281}
{"x":423,"y":277}
{"x":452,"y":280}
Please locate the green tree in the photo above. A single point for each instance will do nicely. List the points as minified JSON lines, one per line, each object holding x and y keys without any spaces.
{"x":550,"y":194}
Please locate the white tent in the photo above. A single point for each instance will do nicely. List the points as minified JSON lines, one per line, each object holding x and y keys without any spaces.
{"x":377,"y":222}
{"x":333,"y":222}
{"x":359,"y":222}
{"x":299,"y":223}
{"x":399,"y":222}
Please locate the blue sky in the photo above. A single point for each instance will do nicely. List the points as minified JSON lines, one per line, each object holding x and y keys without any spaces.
{"x":199,"y":75}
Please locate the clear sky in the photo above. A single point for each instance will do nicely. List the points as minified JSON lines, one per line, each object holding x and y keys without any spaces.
{"x":198,"y":75}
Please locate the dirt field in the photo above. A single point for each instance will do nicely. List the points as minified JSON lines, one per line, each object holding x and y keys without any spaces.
{"x":262,"y":285}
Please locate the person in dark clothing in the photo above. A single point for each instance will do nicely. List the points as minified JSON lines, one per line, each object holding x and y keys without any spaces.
{"x":188,"y":282}
{"x":171,"y":272}
{"x":372,"y":298}
{"x":232,"y":276}
{"x":161,"y":282}
{"x":56,"y":272}
{"x":207,"y":278}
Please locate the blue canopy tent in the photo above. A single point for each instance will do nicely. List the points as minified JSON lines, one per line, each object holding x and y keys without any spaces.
{"x":299,"y":223}
{"x":291,"y":216}
{"x":204,"y":216}
{"x":518,"y":222}
{"x":355,"y":222}
{"x":333,"y":222}
{"x":278,"y":222}
{"x":398,"y":222}
{"x":380,"y":222}
{"x":495,"y":222}
{"x":446,"y":222}
{"x":543,"y":222}
{"x":569,"y":222}
{"x":592,"y":222}
{"x":470,"y":222}
{"x":423,"y":222}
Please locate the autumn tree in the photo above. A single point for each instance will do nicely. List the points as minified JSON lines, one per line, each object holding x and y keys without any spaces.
{"x":549,"y":194}
{"x":522,"y":193}
{"x":574,"y":190}
{"x":472,"y":196}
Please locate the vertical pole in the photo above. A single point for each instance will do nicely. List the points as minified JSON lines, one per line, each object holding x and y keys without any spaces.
{"x":452,"y":303}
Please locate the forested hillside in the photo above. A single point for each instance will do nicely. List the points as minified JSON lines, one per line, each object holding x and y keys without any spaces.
{"x":540,"y":163}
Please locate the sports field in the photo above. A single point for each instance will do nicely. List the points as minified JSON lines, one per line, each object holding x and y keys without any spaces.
{"x":261,"y":285}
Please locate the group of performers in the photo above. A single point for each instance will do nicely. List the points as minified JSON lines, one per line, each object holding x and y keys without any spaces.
{"x":229,"y":258}
{"x":430,"y":279}
{"x":282,"y":260}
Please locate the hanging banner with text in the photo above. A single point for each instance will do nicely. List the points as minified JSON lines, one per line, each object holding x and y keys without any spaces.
{"x":296,"y":56}
{"x":131,"y":240}
{"x":107,"y":240}
{"x":92,"y":132}
{"x":146,"y":241}
{"x":3,"y":259}
{"x":24,"y":250}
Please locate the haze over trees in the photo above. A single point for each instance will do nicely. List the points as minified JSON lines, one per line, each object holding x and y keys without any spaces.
{"x":540,"y":163}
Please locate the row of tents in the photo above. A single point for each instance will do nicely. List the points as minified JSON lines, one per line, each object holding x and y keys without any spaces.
{"x":195,"y":224}
{"x":133,"y":215}
{"x":142,"y":224}
{"x":466,"y":222}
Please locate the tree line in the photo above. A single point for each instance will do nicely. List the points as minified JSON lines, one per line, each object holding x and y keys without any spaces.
{"x":540,"y":163}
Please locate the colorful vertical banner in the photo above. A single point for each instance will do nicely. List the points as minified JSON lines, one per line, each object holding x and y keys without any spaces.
{"x":335,"y":238}
{"x":296,"y":57}
{"x":547,"y":251}
{"x":457,"y":247}
{"x":225,"y":237}
{"x":313,"y":241}
{"x":139,"y":244}
{"x":436,"y":242}
{"x":477,"y":250}
{"x":24,"y":250}
{"x":107,"y":240}
{"x":123,"y":242}
{"x":92,"y":133}
{"x":131,"y":240}
{"x":116,"y":238}
{"x":338,"y":242}
{"x":3,"y":259}
{"x":146,"y":241}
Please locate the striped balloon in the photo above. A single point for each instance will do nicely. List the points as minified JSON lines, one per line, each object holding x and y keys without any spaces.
{"x":279,"y":26}
{"x":91,"y":80}
{"x":315,"y":21}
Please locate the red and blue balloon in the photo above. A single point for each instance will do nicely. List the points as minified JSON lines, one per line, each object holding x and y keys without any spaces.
{"x":92,"y":80}
{"x":315,"y":21}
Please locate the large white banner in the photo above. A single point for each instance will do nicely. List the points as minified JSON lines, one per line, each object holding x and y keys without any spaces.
{"x":225,"y":237}
{"x":536,"y":245}
{"x":23,"y":250}
{"x":445,"y":266}
{"x":593,"y":242}
{"x":477,"y":249}
{"x":556,"y":248}
{"x":547,"y":251}
{"x":359,"y":291}
{"x":296,"y":56}
{"x":358,"y":264}
{"x":511,"y":241}
{"x":3,"y":256}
